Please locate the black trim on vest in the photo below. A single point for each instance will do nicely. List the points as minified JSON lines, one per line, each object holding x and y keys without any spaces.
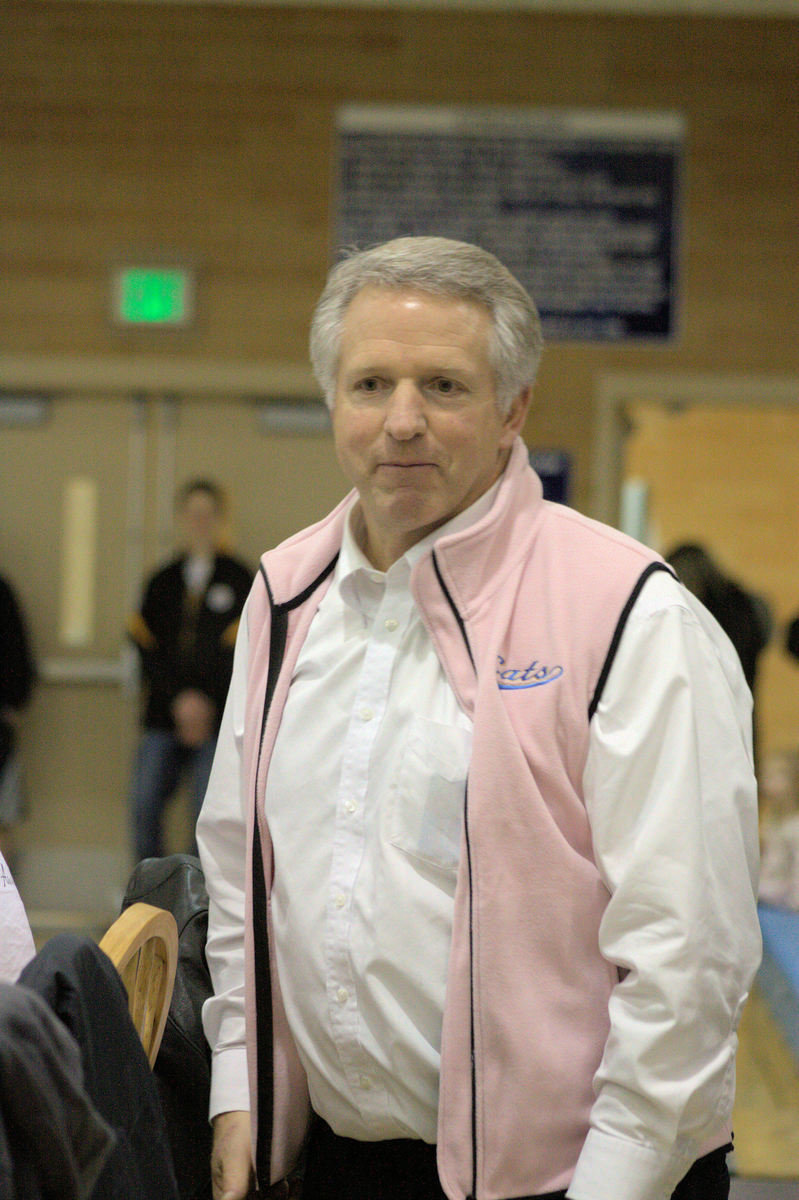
{"x":299,"y":599}
{"x":278,"y":629}
{"x":455,"y":612}
{"x":264,"y":1034}
{"x":263,"y":1014}
{"x":472,"y":1049}
{"x":619,"y":630}
{"x":278,"y":635}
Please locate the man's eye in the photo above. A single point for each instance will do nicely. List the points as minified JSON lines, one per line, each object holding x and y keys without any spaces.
{"x":368,"y":385}
{"x":445,"y":387}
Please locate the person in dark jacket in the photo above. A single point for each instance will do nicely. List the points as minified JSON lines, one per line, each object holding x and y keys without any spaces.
{"x":744,"y":616}
{"x":185,"y":631}
{"x":792,"y":637}
{"x":17,"y":677}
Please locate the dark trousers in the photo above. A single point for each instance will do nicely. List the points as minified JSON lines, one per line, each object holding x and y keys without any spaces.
{"x":406,"y":1170}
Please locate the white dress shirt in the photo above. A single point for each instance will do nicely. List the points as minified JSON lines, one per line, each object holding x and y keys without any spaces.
{"x":366,"y":893}
{"x":663,"y":764}
{"x":364,"y":801}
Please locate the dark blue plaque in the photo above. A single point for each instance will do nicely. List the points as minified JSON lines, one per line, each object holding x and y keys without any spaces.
{"x":580,"y":206}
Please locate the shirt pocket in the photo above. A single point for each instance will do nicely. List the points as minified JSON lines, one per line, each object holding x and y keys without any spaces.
{"x":426,"y":816}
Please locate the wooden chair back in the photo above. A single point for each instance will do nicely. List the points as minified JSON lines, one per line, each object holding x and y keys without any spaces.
{"x":143,"y":946}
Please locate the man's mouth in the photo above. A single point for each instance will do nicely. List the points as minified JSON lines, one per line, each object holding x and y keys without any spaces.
{"x":406,"y":465}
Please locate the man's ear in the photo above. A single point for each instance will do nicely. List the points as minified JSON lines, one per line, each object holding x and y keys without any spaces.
{"x":516,"y":415}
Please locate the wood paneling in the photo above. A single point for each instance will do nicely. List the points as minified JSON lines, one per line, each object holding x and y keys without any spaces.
{"x":206,"y":133}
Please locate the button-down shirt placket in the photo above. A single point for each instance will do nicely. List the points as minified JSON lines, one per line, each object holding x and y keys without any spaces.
{"x":375,"y":599}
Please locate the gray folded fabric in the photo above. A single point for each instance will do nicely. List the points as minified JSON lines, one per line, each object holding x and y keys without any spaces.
{"x":53,"y":1142}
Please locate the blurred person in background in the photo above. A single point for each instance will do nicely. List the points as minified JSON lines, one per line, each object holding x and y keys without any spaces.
{"x":779,"y":829}
{"x":17,"y":677}
{"x":744,"y":616}
{"x":792,"y":637}
{"x":185,"y":631}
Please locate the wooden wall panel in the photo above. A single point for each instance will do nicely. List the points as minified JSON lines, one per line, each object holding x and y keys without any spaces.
{"x":206,"y":133}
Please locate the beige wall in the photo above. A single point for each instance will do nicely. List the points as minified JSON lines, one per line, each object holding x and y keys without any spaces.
{"x":206,"y":134}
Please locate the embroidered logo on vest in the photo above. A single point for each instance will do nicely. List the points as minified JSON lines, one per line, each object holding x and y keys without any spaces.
{"x":514,"y":679}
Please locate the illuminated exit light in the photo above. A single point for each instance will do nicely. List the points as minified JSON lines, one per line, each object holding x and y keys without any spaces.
{"x":153,"y":296}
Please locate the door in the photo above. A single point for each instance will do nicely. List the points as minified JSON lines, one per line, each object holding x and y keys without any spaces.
{"x":87,"y":503}
{"x":64,"y":546}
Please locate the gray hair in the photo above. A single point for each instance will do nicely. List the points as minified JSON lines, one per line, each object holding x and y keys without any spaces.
{"x":441,"y":267}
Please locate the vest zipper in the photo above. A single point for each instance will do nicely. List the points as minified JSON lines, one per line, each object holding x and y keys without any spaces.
{"x":455,"y":613}
{"x":264,"y":1033}
{"x":472,"y":1053}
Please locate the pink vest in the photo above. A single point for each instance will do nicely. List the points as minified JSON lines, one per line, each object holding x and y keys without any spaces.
{"x":524,"y":609}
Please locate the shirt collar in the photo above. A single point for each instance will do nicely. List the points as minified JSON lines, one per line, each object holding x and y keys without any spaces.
{"x":358,"y":578}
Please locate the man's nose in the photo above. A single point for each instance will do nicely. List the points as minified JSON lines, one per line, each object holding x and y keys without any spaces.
{"x":405,"y":413}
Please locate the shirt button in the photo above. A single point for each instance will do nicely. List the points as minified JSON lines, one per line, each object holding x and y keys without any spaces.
{"x":391,"y":624}
{"x":366,"y":714}
{"x":340,"y":900}
{"x":365,"y":1082}
{"x":350,"y":806}
{"x":342,"y":995}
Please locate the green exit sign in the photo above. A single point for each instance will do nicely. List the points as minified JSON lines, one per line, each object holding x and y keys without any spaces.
{"x":153,"y":296}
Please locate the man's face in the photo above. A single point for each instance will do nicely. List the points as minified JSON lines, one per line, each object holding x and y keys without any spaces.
{"x":415,"y":418}
{"x":200,"y":520}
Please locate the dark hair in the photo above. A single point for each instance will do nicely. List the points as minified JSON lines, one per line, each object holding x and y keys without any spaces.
{"x":696,"y":569}
{"x":207,"y":486}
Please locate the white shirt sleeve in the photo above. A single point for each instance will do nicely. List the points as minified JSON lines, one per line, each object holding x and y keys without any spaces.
{"x":222,"y":843}
{"x":671,"y":796}
{"x":16,"y":939}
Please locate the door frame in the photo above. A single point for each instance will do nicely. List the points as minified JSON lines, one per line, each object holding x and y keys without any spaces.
{"x":684,"y":389}
{"x":150,"y":374}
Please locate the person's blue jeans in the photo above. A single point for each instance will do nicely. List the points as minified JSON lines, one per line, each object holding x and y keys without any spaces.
{"x":161,"y":761}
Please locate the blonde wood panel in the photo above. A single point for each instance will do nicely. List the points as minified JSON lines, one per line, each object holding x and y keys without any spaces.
{"x":206,"y":133}
{"x":143,"y":946}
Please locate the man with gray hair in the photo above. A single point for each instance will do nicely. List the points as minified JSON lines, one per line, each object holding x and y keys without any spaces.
{"x":480,"y":838}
